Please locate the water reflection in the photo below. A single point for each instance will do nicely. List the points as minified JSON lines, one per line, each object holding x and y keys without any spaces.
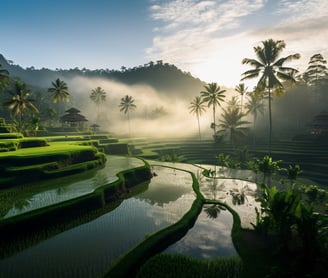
{"x":209,"y":238}
{"x":238,"y":194}
{"x":88,"y":250}
{"x":37,"y":195}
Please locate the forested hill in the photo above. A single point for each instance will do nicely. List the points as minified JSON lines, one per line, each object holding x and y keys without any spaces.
{"x":161,"y":76}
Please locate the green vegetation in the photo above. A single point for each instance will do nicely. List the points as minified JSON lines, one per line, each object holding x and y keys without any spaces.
{"x":270,"y":68}
{"x":213,"y":96}
{"x":165,"y":265}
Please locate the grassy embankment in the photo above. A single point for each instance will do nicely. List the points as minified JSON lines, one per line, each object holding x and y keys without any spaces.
{"x":24,"y":160}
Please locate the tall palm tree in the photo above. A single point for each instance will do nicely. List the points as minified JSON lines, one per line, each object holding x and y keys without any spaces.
{"x":59,"y":91}
{"x":213,"y":96}
{"x":233,"y":124}
{"x":98,"y":95}
{"x":242,"y":90}
{"x":127,"y":105}
{"x":271,"y":70}
{"x":20,"y":102}
{"x":197,"y":107}
{"x":4,"y":78}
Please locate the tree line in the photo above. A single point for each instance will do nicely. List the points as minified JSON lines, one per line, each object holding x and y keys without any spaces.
{"x":273,"y":79}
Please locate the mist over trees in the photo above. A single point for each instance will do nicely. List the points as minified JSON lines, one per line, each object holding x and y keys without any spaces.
{"x":160,"y":88}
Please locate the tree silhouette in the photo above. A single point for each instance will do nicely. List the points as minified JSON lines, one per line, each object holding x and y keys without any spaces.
{"x":242,"y":90}
{"x":271,"y":70}
{"x":59,"y":91}
{"x":213,"y":96}
{"x":127,"y":105}
{"x":20,"y":102}
{"x":316,"y":75}
{"x":233,"y":124}
{"x":98,"y":95}
{"x":4,"y":78}
{"x":197,"y":107}
{"x":254,"y":106}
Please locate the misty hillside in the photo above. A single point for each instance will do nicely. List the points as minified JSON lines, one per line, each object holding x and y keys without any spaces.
{"x":163,"y":77}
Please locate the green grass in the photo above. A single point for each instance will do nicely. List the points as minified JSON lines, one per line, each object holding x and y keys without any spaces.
{"x":165,"y":265}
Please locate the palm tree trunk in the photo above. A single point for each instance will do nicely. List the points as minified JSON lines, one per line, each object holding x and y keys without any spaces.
{"x":270,"y":122}
{"x":129,"y":124}
{"x":214,"y":127}
{"x":200,"y":137}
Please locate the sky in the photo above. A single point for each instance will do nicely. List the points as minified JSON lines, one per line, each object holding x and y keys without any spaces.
{"x":208,"y":38}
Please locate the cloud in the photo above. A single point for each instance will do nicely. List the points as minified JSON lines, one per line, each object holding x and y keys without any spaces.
{"x":210,"y":38}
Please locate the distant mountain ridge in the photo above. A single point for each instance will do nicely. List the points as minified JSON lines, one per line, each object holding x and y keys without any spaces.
{"x":161,"y":76}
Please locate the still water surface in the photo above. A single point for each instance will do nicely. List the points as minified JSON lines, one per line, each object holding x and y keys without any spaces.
{"x":88,"y":250}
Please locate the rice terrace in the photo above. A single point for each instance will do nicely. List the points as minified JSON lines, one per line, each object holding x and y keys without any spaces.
{"x":151,"y":172}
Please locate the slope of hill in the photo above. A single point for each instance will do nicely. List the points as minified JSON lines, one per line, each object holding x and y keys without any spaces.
{"x":161,"y":76}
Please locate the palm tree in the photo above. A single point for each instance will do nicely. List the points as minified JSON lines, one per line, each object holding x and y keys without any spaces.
{"x":4,"y":78}
{"x":271,"y":70}
{"x":254,"y":106}
{"x":242,"y":90}
{"x":232,"y":124}
{"x":127,"y":105}
{"x":98,"y":95}
{"x":197,"y":107}
{"x":233,"y":103}
{"x":20,"y":103}
{"x":213,"y":96}
{"x":59,"y":91}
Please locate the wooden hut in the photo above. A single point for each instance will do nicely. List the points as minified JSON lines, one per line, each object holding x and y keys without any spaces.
{"x":73,"y":118}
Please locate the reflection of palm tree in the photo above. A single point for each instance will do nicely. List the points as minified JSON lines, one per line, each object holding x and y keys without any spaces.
{"x":213,"y":96}
{"x":271,"y":69}
{"x":127,"y":105}
{"x":98,"y":96}
{"x":213,"y":211}
{"x":239,"y":196}
{"x":197,"y":107}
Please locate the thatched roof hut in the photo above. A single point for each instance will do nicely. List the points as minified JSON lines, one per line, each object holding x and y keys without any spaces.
{"x":73,"y":118}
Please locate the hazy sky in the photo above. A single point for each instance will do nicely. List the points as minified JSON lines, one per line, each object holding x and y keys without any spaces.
{"x":207,"y":38}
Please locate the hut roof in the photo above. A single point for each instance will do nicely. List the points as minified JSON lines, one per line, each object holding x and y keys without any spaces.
{"x":72,"y":111}
{"x":73,"y":118}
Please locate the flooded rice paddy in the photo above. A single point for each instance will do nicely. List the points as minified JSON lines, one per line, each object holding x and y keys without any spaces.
{"x":88,"y":249}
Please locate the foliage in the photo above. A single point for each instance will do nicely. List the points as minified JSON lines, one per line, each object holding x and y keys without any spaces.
{"x":127,"y":105}
{"x":213,"y":96}
{"x":176,"y":265}
{"x":270,"y":69}
{"x":254,"y":106}
{"x":59,"y":91}
{"x":317,"y":71}
{"x":293,"y":171}
{"x":20,"y":104}
{"x":232,"y":124}
{"x":197,"y":107}
{"x":296,"y":228}
{"x":4,"y":78}
{"x":98,"y":95}
{"x":268,"y":167}
{"x":242,"y":90}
